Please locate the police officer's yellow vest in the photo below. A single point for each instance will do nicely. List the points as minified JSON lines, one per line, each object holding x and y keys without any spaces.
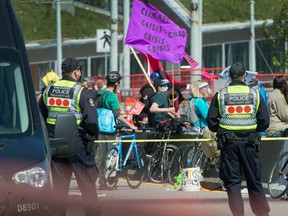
{"x":238,"y":106}
{"x":63,"y":96}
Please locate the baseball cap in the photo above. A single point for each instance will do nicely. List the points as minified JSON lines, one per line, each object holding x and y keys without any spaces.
{"x":155,"y":75}
{"x":70,"y":64}
{"x":164,"y":82}
{"x":236,"y":70}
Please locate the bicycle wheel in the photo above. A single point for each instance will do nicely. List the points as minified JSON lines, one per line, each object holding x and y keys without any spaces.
{"x":278,"y":180}
{"x":180,"y":160}
{"x":200,"y":159}
{"x":210,"y":170}
{"x":135,"y":174}
{"x":159,"y":164}
{"x":111,"y":173}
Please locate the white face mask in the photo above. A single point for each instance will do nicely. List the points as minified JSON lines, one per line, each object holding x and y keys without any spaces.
{"x":164,"y":89}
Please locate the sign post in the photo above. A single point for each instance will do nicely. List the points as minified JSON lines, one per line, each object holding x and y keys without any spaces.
{"x":103,"y":43}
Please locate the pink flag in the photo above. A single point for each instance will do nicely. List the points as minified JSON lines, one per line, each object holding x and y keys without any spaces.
{"x":193,"y":63}
{"x":209,"y":76}
{"x":152,"y":32}
{"x":137,"y":108}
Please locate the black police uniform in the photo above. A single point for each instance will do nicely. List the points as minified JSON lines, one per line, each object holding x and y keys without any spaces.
{"x":82,"y":164}
{"x":239,"y":153}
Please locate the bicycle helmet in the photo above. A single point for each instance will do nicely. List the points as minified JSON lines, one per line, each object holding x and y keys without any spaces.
{"x":113,"y":77}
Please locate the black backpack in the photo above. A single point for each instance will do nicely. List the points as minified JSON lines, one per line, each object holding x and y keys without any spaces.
{"x":148,"y":103}
{"x":147,"y":94}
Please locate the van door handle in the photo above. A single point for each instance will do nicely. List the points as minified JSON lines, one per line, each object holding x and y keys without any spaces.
{"x":2,"y":145}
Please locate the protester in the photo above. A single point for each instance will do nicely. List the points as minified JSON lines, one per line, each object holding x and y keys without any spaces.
{"x":49,"y":77}
{"x":83,"y":163}
{"x":176,"y":97}
{"x":238,"y":139}
{"x":88,"y":83}
{"x":200,"y":90}
{"x":100,"y":85}
{"x":160,"y":108}
{"x":254,"y":83}
{"x":143,"y":120}
{"x":278,"y":108}
{"x":147,"y":92}
{"x":110,"y":101}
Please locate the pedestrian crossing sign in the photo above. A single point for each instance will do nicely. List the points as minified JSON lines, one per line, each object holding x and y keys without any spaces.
{"x":103,"y":40}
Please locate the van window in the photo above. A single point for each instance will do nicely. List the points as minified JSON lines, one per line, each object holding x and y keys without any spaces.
{"x":14,"y":117}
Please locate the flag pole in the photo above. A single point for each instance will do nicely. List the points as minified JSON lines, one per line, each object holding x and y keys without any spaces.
{"x":142,"y":68}
{"x":173,"y":87}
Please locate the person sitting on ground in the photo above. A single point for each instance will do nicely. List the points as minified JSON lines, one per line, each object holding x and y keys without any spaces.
{"x":160,"y":108}
{"x":278,"y":108}
{"x":143,"y":120}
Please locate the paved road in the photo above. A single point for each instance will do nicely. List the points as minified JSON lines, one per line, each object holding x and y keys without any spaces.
{"x":154,"y":200}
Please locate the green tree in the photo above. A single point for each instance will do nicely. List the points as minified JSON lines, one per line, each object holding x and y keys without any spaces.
{"x":278,"y":36}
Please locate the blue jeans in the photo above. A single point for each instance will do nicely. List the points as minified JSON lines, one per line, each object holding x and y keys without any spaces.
{"x":277,"y":134}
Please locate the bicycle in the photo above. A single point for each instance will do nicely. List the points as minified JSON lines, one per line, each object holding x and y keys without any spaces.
{"x":210,"y":168}
{"x":182,"y":159}
{"x":278,"y":180}
{"x":131,"y":165}
{"x":159,"y":162}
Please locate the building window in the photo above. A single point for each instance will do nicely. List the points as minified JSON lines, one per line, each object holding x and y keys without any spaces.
{"x":237,"y":52}
{"x":212,"y":56}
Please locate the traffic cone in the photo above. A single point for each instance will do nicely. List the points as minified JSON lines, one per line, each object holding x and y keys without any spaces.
{"x":129,"y":105}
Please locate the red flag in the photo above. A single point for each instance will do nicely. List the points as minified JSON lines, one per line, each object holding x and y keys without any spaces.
{"x":209,"y":76}
{"x":155,"y":65}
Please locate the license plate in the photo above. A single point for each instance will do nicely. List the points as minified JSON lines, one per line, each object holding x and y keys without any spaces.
{"x":27,"y":207}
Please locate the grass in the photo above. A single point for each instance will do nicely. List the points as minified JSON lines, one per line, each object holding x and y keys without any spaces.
{"x":38,"y":19}
{"x":234,"y":10}
{"x":38,"y":22}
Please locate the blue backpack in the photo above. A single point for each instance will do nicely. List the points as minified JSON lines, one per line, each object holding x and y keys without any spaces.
{"x":106,"y":117}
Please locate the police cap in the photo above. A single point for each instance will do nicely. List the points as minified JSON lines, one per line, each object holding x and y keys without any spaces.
{"x":237,"y":70}
{"x":70,"y":64}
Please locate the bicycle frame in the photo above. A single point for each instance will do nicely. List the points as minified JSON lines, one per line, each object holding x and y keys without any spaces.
{"x":120,"y":150}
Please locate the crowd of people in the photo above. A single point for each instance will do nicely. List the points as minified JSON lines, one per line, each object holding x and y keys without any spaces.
{"x":238,"y":124}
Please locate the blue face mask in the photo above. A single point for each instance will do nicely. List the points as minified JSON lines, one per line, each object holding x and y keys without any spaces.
{"x":164,"y":89}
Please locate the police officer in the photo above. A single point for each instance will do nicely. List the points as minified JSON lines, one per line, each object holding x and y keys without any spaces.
{"x":83,"y":163}
{"x":237,"y":113}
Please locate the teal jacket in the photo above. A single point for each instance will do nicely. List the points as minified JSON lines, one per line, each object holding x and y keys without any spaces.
{"x":201,"y":107}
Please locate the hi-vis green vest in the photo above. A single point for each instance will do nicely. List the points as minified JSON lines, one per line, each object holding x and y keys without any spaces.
{"x":238,"y":106}
{"x":63,"y":96}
